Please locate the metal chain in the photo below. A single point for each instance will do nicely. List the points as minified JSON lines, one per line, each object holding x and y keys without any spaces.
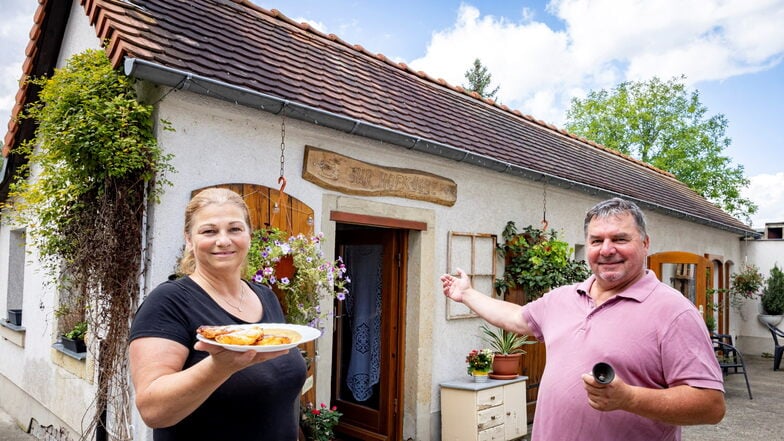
{"x":282,"y":143}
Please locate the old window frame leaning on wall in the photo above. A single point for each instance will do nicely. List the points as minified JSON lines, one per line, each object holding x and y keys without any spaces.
{"x":474,"y":253}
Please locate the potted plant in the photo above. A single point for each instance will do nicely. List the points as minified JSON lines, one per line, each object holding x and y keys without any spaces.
{"x":318,"y":423}
{"x":480,"y":362}
{"x":536,"y":260}
{"x":507,"y":350}
{"x":772,"y":299}
{"x":73,"y":340}
{"x":296,"y":269}
{"x":744,"y":285}
{"x":15,"y":317}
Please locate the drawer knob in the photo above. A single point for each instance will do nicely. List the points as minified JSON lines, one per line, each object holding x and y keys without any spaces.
{"x":493,"y":398}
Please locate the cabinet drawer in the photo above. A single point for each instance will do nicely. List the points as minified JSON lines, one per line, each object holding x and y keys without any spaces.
{"x":490,"y":417}
{"x":492,"y":434}
{"x":489,"y":397}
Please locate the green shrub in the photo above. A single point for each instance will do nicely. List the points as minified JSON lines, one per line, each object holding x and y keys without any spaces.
{"x":773,"y":293}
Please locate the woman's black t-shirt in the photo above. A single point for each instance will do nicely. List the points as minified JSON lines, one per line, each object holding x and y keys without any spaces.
{"x":258,"y":403}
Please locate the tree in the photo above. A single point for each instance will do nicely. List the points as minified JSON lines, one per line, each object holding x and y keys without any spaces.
{"x":665,"y":125}
{"x":479,"y":80}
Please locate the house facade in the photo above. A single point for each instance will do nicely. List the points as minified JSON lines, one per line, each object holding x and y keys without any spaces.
{"x":374,"y":149}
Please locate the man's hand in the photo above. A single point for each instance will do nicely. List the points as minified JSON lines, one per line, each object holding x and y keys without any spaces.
{"x":605,"y":397}
{"x":454,"y":287}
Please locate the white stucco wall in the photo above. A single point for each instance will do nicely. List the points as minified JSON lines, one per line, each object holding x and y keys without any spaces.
{"x":753,"y":336}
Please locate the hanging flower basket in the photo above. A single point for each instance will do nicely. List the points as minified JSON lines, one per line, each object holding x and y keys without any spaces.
{"x":296,"y":269}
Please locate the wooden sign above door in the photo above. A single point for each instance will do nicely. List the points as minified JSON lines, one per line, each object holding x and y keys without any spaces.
{"x":341,"y":173}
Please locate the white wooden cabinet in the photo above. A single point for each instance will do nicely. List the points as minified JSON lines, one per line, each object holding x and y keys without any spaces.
{"x":494,"y":410}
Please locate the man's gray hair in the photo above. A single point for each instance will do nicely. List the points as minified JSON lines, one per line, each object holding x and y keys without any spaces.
{"x":616,"y":207}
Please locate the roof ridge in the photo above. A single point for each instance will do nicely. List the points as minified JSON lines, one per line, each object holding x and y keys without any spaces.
{"x":277,"y":14}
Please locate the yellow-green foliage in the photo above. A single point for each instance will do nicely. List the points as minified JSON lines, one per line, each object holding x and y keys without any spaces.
{"x":93,"y":136}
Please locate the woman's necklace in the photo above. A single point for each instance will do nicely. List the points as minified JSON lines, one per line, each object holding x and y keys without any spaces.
{"x":238,"y":307}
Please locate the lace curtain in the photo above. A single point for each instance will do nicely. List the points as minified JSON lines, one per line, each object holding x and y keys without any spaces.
{"x":363,"y":308}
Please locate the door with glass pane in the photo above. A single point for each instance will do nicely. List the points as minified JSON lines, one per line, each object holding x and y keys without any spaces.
{"x":369,"y":333}
{"x":688,"y":273}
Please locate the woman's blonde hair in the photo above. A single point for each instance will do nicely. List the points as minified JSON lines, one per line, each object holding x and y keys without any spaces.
{"x":204,"y":198}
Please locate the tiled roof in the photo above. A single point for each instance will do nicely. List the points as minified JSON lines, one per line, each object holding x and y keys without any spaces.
{"x":241,"y":44}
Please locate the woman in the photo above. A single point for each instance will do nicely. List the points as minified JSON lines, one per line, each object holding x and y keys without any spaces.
{"x":190,"y":390}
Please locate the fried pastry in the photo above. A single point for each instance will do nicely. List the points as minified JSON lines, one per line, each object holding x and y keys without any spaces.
{"x":213,"y":331}
{"x":247,"y":336}
{"x":272,"y":340}
{"x":282,"y":334}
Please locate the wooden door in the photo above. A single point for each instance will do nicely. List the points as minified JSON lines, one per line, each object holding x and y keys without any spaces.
{"x":533,"y":361}
{"x":718,"y":299}
{"x":367,"y":372}
{"x":688,"y":273}
{"x":290,"y":215}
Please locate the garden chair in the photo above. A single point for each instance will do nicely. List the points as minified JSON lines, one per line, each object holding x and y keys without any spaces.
{"x":778,"y":349}
{"x":725,"y":338}
{"x":730,"y":359}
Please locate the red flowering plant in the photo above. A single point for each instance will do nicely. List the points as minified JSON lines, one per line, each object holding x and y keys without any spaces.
{"x":318,"y":422}
{"x":479,"y":360}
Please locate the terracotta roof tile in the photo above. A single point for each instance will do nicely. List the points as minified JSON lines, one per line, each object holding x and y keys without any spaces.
{"x":237,"y":42}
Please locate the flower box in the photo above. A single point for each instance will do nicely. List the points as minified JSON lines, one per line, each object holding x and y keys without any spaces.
{"x":15,"y":317}
{"x":74,"y":345}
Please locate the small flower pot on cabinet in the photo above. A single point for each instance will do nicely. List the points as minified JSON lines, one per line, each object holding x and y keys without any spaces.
{"x":15,"y":317}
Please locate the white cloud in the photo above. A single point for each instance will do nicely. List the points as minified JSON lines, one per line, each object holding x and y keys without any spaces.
{"x":317,"y":25}
{"x":605,"y":42}
{"x":767,"y":191}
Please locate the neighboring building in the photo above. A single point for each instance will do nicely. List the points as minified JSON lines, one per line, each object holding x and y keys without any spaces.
{"x":425,"y":165}
{"x":765,"y":249}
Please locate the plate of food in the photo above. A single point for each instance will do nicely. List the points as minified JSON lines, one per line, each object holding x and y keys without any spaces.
{"x":259,"y":337}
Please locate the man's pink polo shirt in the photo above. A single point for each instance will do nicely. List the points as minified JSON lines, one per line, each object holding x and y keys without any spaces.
{"x":652,"y":336}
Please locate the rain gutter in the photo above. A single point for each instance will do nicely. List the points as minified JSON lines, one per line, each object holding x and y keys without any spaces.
{"x":182,"y":80}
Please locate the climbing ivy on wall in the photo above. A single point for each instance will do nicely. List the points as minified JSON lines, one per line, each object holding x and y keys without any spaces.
{"x":94,"y":165}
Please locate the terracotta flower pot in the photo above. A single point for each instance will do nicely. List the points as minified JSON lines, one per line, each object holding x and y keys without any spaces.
{"x":506,"y":366}
{"x":285,"y":267}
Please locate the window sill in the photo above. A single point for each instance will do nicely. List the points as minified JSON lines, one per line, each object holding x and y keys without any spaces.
{"x":75,"y":355}
{"x":13,"y":333}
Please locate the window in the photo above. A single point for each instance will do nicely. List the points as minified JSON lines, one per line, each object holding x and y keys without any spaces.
{"x":16,"y":269}
{"x":474,"y":253}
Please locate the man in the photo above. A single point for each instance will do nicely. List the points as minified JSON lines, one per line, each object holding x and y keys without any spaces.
{"x":666,"y":374}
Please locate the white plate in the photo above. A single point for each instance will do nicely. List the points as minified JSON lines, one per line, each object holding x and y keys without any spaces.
{"x":306,"y":332}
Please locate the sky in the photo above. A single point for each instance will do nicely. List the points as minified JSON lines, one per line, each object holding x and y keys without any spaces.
{"x":544,"y":53}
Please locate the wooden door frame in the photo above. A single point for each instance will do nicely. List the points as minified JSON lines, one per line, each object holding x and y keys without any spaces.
{"x":393,"y":413}
{"x":721,"y":310}
{"x":703,"y":279}
{"x":423,"y":243}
